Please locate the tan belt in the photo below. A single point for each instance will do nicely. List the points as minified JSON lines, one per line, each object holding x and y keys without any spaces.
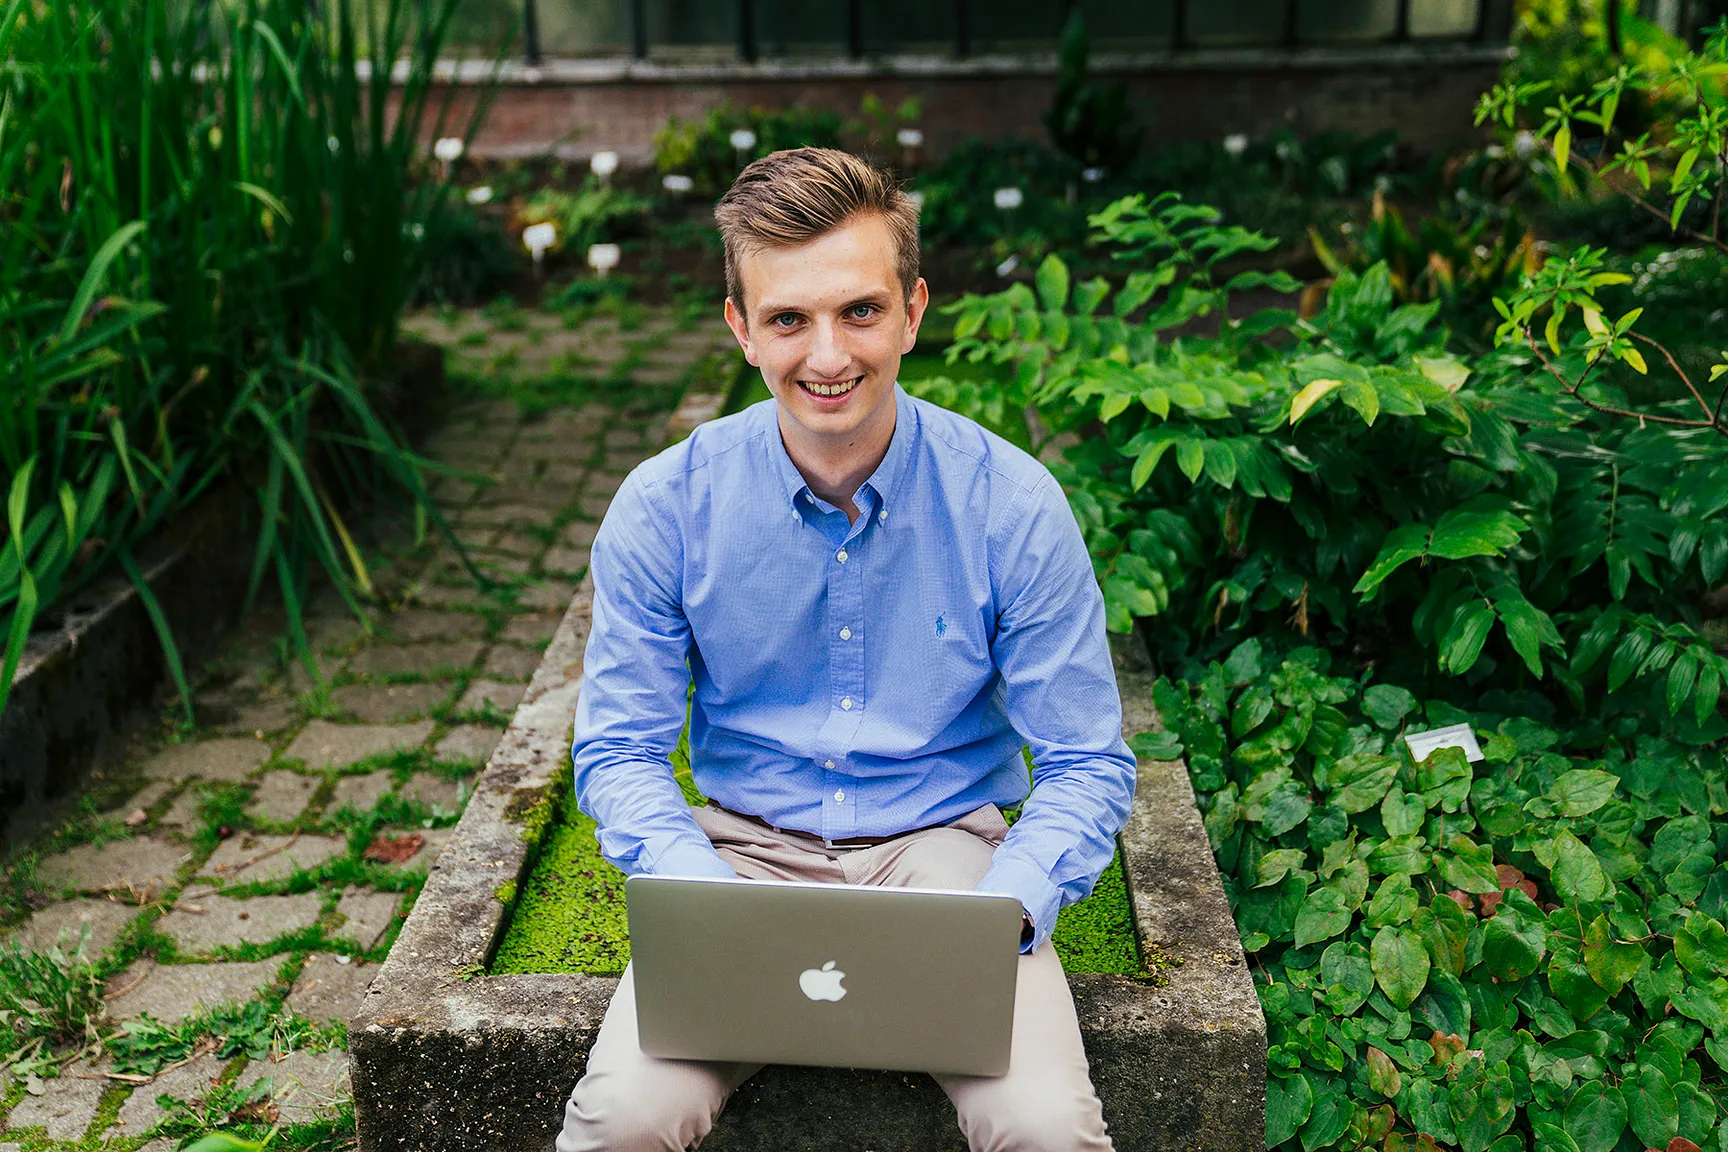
{"x":849,"y":842}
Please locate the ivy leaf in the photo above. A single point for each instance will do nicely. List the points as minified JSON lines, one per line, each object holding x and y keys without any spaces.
{"x":1513,"y":944}
{"x":1400,"y":964}
{"x":1324,"y":914}
{"x":1359,"y":781}
{"x":1288,"y":1105}
{"x":1701,"y":946}
{"x":1651,"y":1106}
{"x":1583,"y":790}
{"x":1609,"y":962}
{"x":1394,"y":902}
{"x":1402,"y":813}
{"x":1328,"y":1121}
{"x":1577,"y":874}
{"x":1470,"y":867}
{"x":1387,"y":705}
{"x":1596,"y":1116}
{"x":1348,"y":976}
{"x":1382,"y":1073}
{"x":1275,"y":865}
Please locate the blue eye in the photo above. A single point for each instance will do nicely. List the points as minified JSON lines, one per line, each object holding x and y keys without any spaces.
{"x":863,"y":311}
{"x":789,"y":318}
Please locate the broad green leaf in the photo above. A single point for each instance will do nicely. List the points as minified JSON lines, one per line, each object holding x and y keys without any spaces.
{"x":1328,"y":1121}
{"x":1447,"y":371}
{"x":1577,"y":875}
{"x":1359,"y":781}
{"x":1478,"y":530}
{"x":1402,"y":544}
{"x":1610,"y":962}
{"x":1348,"y":976}
{"x":1583,"y":790}
{"x":1052,"y":281}
{"x":1402,"y":813}
{"x":1651,"y":1106}
{"x":1394,"y":902}
{"x":1191,"y":457}
{"x":1289,"y":1102}
{"x":1470,"y":867}
{"x":1562,"y":147}
{"x":1382,"y":1073}
{"x":1324,"y":914}
{"x":1387,"y":705}
{"x":1275,"y":865}
{"x":1596,"y":1116}
{"x":1400,"y":964}
{"x":1701,"y":945}
{"x":1361,"y":396}
{"x":1513,"y":944}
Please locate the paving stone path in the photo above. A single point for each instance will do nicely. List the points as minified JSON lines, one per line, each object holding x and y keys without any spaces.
{"x":271,"y":854}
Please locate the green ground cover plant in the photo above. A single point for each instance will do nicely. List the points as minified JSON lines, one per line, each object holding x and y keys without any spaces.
{"x":1335,"y":530}
{"x":207,"y":285}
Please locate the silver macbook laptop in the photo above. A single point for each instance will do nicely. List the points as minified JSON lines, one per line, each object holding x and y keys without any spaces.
{"x":840,"y":975}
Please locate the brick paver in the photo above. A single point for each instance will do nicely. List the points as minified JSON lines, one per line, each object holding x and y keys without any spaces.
{"x":272,"y":741}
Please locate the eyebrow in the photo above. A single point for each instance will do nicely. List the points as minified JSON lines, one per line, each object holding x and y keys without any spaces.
{"x":769,"y":309}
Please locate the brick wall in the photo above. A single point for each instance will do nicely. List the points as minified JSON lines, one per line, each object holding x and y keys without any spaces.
{"x":574,"y":110}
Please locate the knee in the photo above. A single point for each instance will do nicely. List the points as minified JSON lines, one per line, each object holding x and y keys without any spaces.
{"x":613,"y":1114}
{"x":1041,"y":1122}
{"x":944,"y":858}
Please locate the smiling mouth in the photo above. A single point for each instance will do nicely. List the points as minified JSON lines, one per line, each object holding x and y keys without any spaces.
{"x":829,"y":391}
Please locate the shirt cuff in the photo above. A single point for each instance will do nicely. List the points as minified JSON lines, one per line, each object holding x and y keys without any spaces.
{"x":689,"y":860}
{"x":1028,"y":884}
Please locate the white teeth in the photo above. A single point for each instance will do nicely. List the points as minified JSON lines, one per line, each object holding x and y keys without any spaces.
{"x":833,"y":389}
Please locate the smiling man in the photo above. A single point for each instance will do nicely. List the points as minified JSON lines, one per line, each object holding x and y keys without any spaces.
{"x":880,"y":604}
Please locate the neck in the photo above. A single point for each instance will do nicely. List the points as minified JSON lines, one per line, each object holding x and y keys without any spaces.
{"x":835,"y":469}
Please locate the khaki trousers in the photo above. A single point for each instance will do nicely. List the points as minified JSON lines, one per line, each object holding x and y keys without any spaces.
{"x":1044,"y":1103}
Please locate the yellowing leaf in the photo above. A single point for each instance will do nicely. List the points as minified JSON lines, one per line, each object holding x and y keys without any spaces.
{"x":1310,"y":396}
{"x":1636,"y":358}
{"x":1447,"y":371}
{"x":1562,"y":147}
{"x":1593,"y":321}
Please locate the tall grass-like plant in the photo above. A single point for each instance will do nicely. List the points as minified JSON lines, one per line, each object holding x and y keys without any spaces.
{"x":210,"y":213}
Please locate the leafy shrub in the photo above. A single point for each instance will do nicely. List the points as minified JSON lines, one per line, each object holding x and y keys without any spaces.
{"x":1530,"y":954}
{"x":47,"y":997}
{"x":702,"y":149}
{"x":1345,"y":479}
{"x":592,"y":214}
{"x":1089,"y":121}
{"x":466,"y":259}
{"x":1338,"y":532}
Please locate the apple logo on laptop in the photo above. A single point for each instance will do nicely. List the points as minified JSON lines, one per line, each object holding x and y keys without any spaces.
{"x":822,"y":983}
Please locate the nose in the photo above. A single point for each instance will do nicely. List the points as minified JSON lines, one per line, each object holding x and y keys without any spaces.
{"x":829,"y":356}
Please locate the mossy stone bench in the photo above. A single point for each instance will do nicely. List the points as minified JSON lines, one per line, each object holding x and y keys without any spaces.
{"x":447,"y":1058}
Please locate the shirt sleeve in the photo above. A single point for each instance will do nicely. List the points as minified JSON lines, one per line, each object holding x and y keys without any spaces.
{"x":635,"y":681}
{"x":1061,"y":696}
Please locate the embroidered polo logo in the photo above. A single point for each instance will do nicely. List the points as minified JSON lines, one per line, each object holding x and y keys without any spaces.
{"x":941,"y":627}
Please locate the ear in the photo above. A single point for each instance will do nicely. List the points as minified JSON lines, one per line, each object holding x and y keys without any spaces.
{"x":915,"y":306}
{"x":741,"y":332}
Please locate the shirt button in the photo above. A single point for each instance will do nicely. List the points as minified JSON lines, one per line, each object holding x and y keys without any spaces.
{"x":846,"y":703}
{"x":839,"y":795}
{"x":828,"y":764}
{"x":845,"y":633}
{"x":882,"y":516}
{"x":841,"y":556}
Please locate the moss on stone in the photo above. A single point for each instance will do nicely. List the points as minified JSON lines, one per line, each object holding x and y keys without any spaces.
{"x":571,"y":918}
{"x":570,"y":915}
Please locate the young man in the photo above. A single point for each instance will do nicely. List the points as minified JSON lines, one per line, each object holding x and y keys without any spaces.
{"x":880,"y":603}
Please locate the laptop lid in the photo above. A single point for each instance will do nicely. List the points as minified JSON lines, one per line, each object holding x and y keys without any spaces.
{"x":833,"y":974}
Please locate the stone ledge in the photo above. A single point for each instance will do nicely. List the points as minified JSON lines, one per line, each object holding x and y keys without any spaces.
{"x":447,"y":1058}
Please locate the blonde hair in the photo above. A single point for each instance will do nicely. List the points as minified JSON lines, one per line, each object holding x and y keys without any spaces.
{"x":796,"y":195}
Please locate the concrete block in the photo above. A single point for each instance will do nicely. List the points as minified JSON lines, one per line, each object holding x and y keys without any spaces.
{"x":511,"y":662}
{"x":187,"y":1083}
{"x":202,"y":923}
{"x":251,"y":859}
{"x":303,"y":1085}
{"x":67,"y":1108}
{"x":480,"y":693}
{"x":366,"y":915}
{"x":392,"y":703}
{"x":360,"y":793}
{"x":436,"y":659}
{"x":471,"y":743}
{"x":142,"y":867}
{"x":433,"y":791}
{"x":331,"y":987}
{"x":61,"y":925}
{"x":230,"y":759}
{"x":1179,"y":1064}
{"x":171,"y":992}
{"x":282,"y":796}
{"x":322,"y":744}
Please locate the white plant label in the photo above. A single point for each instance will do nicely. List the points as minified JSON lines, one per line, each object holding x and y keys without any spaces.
{"x":1424,"y":744}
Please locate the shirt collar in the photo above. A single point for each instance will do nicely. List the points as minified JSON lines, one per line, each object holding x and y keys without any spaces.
{"x":885,"y":480}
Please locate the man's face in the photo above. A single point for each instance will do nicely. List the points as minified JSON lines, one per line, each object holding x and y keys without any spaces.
{"x":827,"y":324}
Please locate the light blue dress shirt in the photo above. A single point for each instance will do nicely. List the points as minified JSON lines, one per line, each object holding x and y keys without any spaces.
{"x":859,"y":679}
